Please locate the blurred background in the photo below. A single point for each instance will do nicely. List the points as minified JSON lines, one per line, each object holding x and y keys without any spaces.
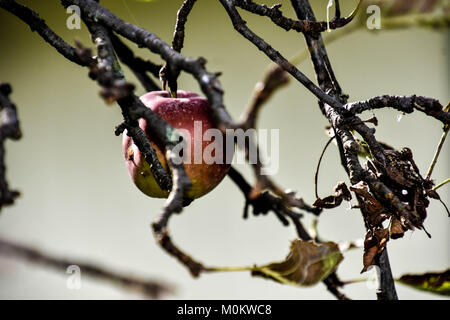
{"x":79,"y":202}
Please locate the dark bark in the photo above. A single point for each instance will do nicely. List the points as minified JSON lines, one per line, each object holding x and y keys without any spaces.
{"x":9,"y":129}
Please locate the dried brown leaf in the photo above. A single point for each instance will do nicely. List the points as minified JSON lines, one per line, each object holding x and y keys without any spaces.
{"x":397,"y":230}
{"x":374,"y":244}
{"x":375,"y":210}
{"x":333,"y":201}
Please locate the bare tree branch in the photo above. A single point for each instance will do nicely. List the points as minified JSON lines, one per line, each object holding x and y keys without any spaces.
{"x":429,"y":106}
{"x":287,"y":24}
{"x":167,"y":74}
{"x":182,"y":15}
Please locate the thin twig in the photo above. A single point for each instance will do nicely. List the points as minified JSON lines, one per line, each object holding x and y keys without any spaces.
{"x":436,"y":154}
{"x":287,"y":24}
{"x":167,"y":74}
{"x":165,"y":241}
{"x":182,"y":15}
{"x":316,"y":175}
{"x":406,"y":104}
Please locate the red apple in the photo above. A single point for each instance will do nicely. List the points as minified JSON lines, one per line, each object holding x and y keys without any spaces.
{"x":181,"y":113}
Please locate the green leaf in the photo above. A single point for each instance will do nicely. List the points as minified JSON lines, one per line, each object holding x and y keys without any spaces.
{"x":306,"y":264}
{"x":447,"y":108}
{"x":435,"y":282}
{"x":364,"y":150}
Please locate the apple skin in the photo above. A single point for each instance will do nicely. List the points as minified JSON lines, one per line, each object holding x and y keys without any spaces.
{"x":180,"y":113}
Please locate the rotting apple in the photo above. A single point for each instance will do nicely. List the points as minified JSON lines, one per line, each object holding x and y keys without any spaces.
{"x":184,"y":113}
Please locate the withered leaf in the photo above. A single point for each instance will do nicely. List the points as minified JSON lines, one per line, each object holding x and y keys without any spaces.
{"x":433,"y":194}
{"x":401,"y":175}
{"x":333,"y":201}
{"x":306,"y":264}
{"x":397,"y":229}
{"x":374,"y":244}
{"x":375,"y":210}
{"x":435,"y":282}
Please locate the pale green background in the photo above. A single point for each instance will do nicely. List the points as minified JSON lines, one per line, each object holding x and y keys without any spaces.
{"x":78,"y":200}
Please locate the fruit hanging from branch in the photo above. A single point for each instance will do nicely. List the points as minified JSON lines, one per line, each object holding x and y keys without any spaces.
{"x":205,"y":158}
